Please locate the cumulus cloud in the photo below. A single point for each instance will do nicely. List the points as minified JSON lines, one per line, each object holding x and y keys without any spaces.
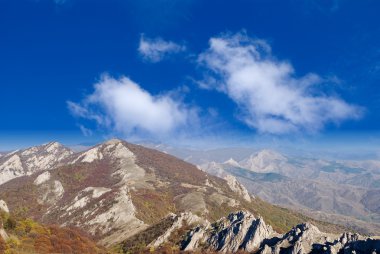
{"x":272,"y":99}
{"x":154,"y":50}
{"x":124,"y":107}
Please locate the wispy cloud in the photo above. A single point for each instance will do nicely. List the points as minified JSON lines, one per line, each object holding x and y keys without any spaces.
{"x":155,"y":50}
{"x":85,"y":131}
{"x":272,"y":99}
{"x":122,"y":106}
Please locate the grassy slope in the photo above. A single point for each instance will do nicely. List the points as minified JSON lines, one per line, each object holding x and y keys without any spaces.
{"x":283,"y":219}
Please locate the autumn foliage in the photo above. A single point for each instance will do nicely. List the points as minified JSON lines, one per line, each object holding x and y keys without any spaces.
{"x":28,"y":236}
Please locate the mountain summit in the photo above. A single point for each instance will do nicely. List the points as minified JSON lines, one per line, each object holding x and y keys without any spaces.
{"x":31,"y":160}
{"x":264,"y":161}
{"x":117,"y":189}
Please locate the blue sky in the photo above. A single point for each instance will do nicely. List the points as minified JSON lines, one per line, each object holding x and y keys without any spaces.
{"x":190,"y":71}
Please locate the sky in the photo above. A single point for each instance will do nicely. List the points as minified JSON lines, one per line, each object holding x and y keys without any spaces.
{"x":190,"y":72}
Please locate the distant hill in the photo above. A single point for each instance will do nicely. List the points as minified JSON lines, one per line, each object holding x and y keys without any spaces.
{"x":332,"y":190}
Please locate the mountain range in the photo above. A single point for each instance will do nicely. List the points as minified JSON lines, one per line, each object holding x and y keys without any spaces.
{"x":129,"y":198}
{"x":340,"y":191}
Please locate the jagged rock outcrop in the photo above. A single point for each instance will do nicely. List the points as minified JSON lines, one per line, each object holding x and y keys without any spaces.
{"x":186,"y":218}
{"x":238,"y":231}
{"x":31,"y":160}
{"x":237,"y":187}
{"x":242,"y":231}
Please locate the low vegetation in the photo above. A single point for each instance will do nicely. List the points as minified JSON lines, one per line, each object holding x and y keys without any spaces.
{"x":152,"y":205}
{"x":138,"y":243}
{"x":28,"y":236}
{"x":283,"y":219}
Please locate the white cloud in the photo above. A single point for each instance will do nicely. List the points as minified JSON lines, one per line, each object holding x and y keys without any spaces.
{"x":271,"y":97}
{"x":154,"y":50}
{"x":124,"y":107}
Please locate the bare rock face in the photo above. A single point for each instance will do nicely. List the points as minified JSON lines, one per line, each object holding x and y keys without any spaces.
{"x":186,"y":218}
{"x":31,"y":160}
{"x":239,"y":231}
{"x":105,"y":208}
{"x":299,"y":239}
{"x":237,"y":187}
{"x":4,"y":206}
{"x":90,"y":189}
{"x":306,"y":238}
{"x":242,"y":231}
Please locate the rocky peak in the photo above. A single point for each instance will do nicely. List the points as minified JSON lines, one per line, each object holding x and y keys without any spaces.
{"x":263,"y":161}
{"x":237,"y":187}
{"x":242,"y":231}
{"x":238,"y":231}
{"x":52,"y":146}
{"x":48,"y":148}
{"x":231,"y":162}
{"x":348,"y":237}
{"x":33,"y":159}
{"x":113,"y":141}
{"x":111,"y":149}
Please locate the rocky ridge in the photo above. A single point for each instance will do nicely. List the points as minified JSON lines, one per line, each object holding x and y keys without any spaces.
{"x":241,"y":231}
{"x":116,"y":189}
{"x":28,"y":161}
{"x":238,"y":231}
